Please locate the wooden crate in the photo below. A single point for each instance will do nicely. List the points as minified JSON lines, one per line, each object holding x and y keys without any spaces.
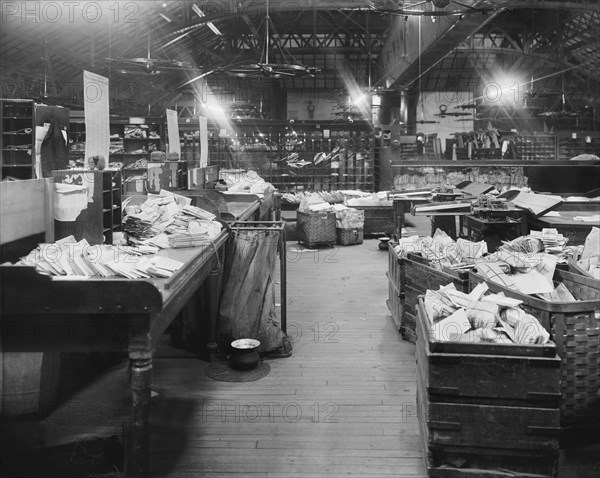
{"x":575,"y":328}
{"x":394,"y":302}
{"x":416,"y":276}
{"x":487,"y":409}
{"x":378,"y":219}
{"x":519,"y":375}
{"x":394,"y":261}
{"x":456,"y":461}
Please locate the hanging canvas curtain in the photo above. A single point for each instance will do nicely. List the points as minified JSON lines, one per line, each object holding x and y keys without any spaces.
{"x":247,"y":306}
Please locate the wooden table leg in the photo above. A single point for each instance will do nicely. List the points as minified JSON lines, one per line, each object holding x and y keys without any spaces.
{"x":140,"y":357}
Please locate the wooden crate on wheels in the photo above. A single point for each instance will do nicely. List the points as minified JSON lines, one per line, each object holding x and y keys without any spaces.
{"x":316,"y":228}
{"x":487,"y":410}
{"x":575,"y":328}
{"x":416,"y":276}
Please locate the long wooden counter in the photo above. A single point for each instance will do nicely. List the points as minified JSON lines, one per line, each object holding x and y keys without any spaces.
{"x":40,"y":314}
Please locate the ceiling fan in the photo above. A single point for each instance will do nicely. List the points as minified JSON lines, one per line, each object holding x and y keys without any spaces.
{"x":146,"y":66}
{"x":434,"y":8}
{"x":561,"y":107}
{"x":289,"y":67}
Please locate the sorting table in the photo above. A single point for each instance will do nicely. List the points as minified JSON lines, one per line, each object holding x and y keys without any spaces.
{"x":46,"y":314}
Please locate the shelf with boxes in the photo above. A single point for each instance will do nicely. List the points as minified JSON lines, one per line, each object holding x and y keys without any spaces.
{"x":100,"y":216}
{"x":574,"y":144}
{"x":494,"y":145}
{"x":304,"y":156}
{"x":189,"y":143}
{"x":536,"y":147}
{"x":22,"y":157}
{"x":139,"y":141}
{"x":18,"y":141}
{"x":130,"y":148}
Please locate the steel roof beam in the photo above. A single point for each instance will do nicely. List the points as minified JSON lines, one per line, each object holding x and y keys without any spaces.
{"x":416,"y":44}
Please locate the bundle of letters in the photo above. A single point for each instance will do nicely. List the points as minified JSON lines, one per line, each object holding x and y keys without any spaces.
{"x":169,"y":220}
{"x":481,"y":317}
{"x":68,"y":257}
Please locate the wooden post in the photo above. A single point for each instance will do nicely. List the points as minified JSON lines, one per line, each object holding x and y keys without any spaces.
{"x":213,"y":285}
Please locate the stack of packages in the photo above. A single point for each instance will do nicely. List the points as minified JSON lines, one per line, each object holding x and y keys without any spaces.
{"x":442,"y":251}
{"x":480,"y":317}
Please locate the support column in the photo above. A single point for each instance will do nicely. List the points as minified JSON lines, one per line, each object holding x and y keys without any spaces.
{"x":138,"y":434}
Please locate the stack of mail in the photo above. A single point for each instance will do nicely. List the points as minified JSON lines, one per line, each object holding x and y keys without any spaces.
{"x":169,"y":220}
{"x":551,"y":238}
{"x":195,"y":234}
{"x":71,"y":258}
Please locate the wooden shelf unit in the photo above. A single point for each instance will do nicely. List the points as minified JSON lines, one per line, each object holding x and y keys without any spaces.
{"x":102,"y":218}
{"x":18,"y":131}
{"x":130,"y":147}
{"x":18,"y":121}
{"x":267,"y":146}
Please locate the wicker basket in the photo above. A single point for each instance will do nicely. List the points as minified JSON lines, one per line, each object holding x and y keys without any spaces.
{"x":576,"y":269}
{"x":347,"y":237}
{"x":575,"y":328}
{"x":316,"y":228}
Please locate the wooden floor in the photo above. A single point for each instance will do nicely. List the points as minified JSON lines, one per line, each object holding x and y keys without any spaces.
{"x":342,"y":405}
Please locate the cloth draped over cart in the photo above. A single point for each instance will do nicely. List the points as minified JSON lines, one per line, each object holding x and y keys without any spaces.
{"x":247,"y":306}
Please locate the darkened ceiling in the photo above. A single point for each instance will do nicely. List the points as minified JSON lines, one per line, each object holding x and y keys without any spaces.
{"x":45,"y":46}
